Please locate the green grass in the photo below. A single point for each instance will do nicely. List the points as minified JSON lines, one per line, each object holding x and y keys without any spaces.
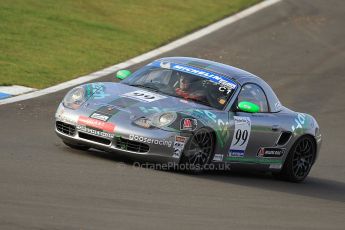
{"x":45,"y":42}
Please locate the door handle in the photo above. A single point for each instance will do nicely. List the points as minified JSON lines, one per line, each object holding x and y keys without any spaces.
{"x":275,"y":127}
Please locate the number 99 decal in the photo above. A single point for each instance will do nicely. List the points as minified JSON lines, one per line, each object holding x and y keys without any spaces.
{"x":144,"y":96}
{"x":241,"y":136}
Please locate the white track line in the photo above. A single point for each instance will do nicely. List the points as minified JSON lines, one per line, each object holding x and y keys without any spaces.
{"x":177,"y":43}
{"x":15,"y":89}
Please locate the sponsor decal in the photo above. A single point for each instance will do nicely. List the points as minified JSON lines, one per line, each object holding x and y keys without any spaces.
{"x":94,"y":123}
{"x":144,"y":96}
{"x":261,"y":152}
{"x":148,"y":140}
{"x":236,"y":153}
{"x":96,"y":90}
{"x":180,"y":139}
{"x":241,"y":136}
{"x":189,"y":124}
{"x":270,"y":152}
{"x":179,"y":146}
{"x":100,"y":116}
{"x":278,"y":106}
{"x":165,"y":65}
{"x":201,"y":73}
{"x":221,"y":101}
{"x":94,"y":132}
{"x":224,"y":89}
{"x":218,"y":157}
{"x":275,"y":166}
{"x":254,"y":160}
{"x":299,"y":122}
{"x":67,"y":118}
{"x":107,"y":110}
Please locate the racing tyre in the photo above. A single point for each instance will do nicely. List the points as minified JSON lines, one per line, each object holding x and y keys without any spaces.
{"x":75,"y":146}
{"x":299,"y":160}
{"x":198,"y":152}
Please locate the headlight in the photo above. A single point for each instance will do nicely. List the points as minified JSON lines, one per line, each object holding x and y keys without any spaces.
{"x":74,"y":98}
{"x":166,"y":119}
{"x":158,"y":120}
{"x":143,"y":122}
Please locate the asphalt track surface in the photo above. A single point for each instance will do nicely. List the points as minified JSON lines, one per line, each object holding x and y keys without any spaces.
{"x":298,"y":47}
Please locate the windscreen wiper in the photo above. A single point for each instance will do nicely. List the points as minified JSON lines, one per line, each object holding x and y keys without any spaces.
{"x":146,"y":87}
{"x":199,"y":101}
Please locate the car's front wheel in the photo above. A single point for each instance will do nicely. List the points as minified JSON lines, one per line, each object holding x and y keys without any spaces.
{"x":198,"y":151}
{"x":76,"y":146}
{"x":299,"y":160}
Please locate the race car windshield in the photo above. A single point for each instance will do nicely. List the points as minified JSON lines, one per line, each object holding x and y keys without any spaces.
{"x":184,"y":85}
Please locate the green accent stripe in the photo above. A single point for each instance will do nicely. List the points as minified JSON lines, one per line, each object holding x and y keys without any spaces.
{"x":88,"y":91}
{"x":254,"y":160}
{"x":219,"y":139}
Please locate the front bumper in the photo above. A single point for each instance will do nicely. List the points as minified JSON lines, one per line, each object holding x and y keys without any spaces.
{"x":152,"y":145}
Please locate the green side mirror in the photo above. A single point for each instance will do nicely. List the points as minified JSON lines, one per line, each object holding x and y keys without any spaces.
{"x":122,"y":74}
{"x":248,"y":107}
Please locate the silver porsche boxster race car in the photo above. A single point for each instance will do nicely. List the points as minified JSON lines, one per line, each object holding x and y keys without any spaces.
{"x":191,"y":112}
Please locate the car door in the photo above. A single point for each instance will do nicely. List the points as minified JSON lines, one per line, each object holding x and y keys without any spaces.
{"x":253,"y":131}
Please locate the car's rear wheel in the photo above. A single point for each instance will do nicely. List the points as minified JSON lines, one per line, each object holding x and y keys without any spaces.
{"x":299,"y":160}
{"x":76,"y":146}
{"x":198,"y":151}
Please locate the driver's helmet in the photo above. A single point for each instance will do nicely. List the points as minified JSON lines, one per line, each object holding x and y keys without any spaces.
{"x":186,"y":80}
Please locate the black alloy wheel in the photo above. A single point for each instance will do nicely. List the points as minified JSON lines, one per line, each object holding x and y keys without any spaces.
{"x":199,"y":150}
{"x":300,"y":160}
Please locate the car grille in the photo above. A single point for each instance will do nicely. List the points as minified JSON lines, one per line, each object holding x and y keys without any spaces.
{"x":94,"y":138}
{"x":65,"y":128}
{"x":134,"y":146}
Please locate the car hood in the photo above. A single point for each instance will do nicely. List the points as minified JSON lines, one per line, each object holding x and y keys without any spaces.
{"x":118,"y":101}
